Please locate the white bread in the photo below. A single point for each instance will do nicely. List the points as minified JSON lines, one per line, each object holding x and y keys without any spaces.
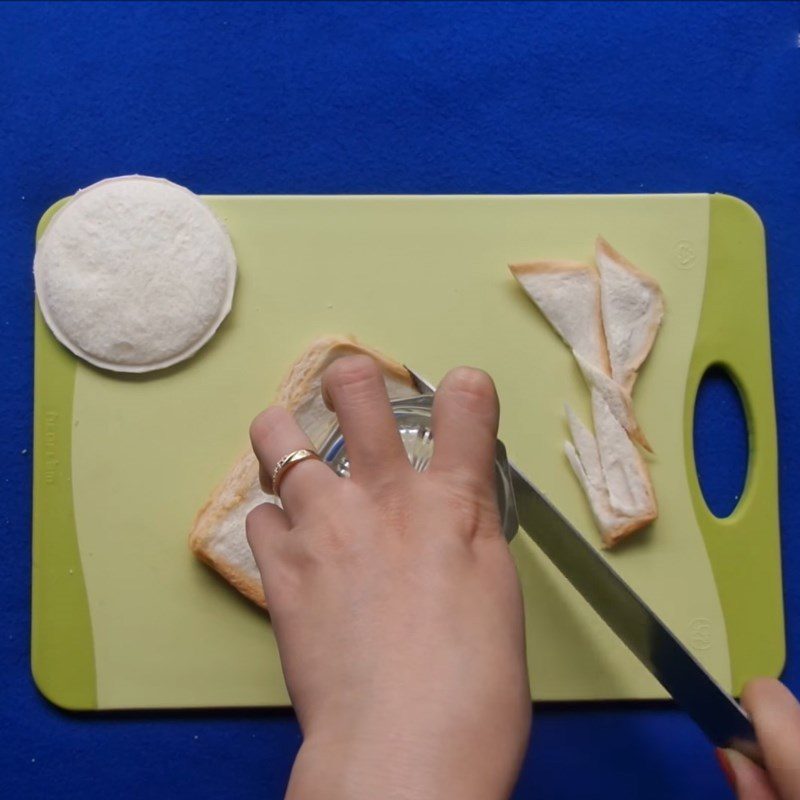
{"x":218,"y":534}
{"x":632,"y":307}
{"x":609,"y":316}
{"x":617,"y":398}
{"x":630,"y":491}
{"x":568,"y":295}
{"x":134,"y":274}
{"x":584,"y":457}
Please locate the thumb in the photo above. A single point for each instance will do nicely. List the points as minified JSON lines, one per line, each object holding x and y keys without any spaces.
{"x":748,"y":780}
{"x":776,"y":718}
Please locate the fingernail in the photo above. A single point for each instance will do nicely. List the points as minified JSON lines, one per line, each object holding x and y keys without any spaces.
{"x":725,"y":766}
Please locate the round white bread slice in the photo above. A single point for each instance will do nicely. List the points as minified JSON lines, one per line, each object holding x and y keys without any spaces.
{"x":134,"y":274}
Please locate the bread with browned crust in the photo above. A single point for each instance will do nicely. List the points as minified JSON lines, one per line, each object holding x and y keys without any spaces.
{"x":568,"y":295}
{"x":609,"y":314}
{"x":633,"y":307}
{"x":218,"y":535}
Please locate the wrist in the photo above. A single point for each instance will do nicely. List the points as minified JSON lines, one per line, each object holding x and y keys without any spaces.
{"x":397,"y":767}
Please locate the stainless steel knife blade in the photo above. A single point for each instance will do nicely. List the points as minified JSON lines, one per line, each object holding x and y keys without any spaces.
{"x":718,"y":715}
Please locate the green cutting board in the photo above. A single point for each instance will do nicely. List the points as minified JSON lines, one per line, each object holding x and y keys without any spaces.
{"x":125,"y":617}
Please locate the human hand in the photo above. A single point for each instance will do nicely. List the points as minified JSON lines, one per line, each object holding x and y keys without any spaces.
{"x":776,"y":717}
{"x":394,"y":599}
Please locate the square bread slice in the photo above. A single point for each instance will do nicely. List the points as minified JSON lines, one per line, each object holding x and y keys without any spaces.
{"x":218,"y":535}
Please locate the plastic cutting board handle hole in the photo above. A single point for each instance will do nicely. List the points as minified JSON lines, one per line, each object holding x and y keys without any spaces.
{"x":721,"y":448}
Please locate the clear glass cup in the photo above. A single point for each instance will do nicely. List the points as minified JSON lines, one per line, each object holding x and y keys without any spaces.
{"x":413,"y":418}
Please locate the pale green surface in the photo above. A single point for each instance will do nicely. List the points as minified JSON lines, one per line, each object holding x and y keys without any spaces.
{"x":62,"y":658}
{"x":744,"y":547}
{"x":424,"y":279}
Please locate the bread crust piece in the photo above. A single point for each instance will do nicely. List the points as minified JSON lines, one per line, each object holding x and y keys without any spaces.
{"x":618,"y":399}
{"x":218,"y":536}
{"x":584,"y":457}
{"x":632,"y":306}
{"x":609,"y":316}
{"x":559,"y":288}
{"x":630,"y":489}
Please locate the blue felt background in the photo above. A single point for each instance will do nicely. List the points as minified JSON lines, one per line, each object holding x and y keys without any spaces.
{"x":380,"y":98}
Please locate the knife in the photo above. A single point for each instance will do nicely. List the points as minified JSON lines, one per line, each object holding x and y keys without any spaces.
{"x":724,"y":722}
